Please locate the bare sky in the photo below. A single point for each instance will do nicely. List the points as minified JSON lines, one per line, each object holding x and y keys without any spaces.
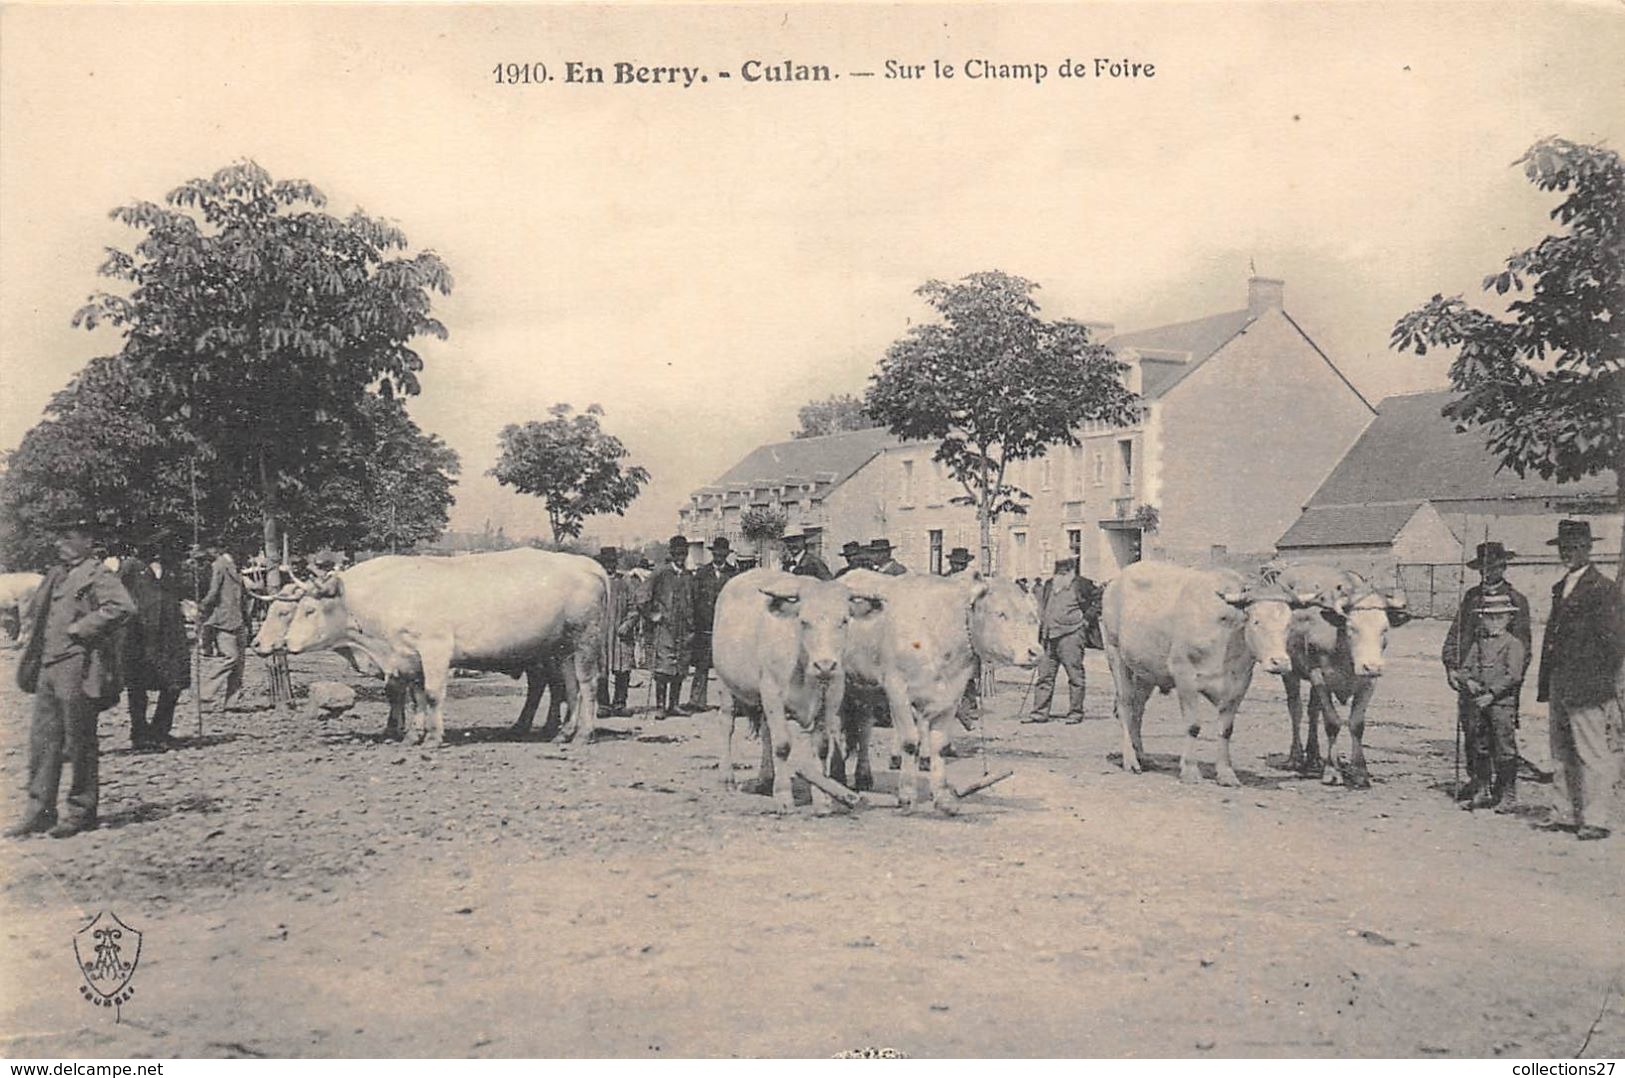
{"x":702,"y":261}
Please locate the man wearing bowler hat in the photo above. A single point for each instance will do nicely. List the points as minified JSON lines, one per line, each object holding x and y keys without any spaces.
{"x":1068,"y":604}
{"x":881,"y":559}
{"x":708,"y":581}
{"x":959,"y":560}
{"x":1490,"y":561}
{"x":801,"y":561}
{"x":856,"y":557}
{"x":620,"y":651}
{"x":1579,"y":657}
{"x":71,"y":668}
{"x":670,"y":610}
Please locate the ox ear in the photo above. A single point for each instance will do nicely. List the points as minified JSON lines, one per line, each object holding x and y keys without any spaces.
{"x":779,"y":600}
{"x":331,"y":588}
{"x":866,"y":605}
{"x":1398,"y":610}
{"x":977,"y":590}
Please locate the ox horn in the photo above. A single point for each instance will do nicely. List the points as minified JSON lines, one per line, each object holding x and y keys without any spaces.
{"x":782,"y":596}
{"x":1235,"y":598}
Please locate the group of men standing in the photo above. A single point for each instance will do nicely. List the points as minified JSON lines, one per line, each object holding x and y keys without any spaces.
{"x":671,"y":611}
{"x":1486,"y":655}
{"x":107,"y":621}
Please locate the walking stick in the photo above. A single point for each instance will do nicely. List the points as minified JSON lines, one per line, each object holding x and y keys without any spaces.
{"x":197,"y":605}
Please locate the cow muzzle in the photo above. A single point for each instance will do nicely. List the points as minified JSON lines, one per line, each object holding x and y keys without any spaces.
{"x":825,"y":669}
{"x":1276,"y":664}
{"x":1372,"y":669}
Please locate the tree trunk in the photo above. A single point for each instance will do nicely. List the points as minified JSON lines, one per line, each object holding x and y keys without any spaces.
{"x":268,"y":503}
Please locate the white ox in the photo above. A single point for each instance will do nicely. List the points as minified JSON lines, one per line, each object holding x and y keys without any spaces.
{"x":777,"y":645}
{"x":1197,"y":632}
{"x":16,"y":589}
{"x":921,"y":654}
{"x":526,"y":611}
{"x":1336,"y":644}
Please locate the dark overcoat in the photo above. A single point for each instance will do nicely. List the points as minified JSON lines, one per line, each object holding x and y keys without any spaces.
{"x":1580,"y":653}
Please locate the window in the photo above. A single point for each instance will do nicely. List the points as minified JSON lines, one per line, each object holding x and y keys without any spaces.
{"x":1018,"y":561}
{"x":1074,"y":545}
{"x":936,"y":551}
{"x":1076,"y":473}
{"x":1100,"y":468}
{"x":908,"y":483}
{"x":1125,"y":452}
{"x":1046,"y":473}
{"x":939,"y":484}
{"x":1046,"y":558}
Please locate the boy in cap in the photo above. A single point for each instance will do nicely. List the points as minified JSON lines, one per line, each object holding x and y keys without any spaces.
{"x":73,"y":672}
{"x":1491,"y":562}
{"x":1489,"y":682}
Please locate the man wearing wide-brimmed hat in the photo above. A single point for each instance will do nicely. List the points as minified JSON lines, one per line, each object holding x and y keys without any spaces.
{"x":155,"y":653}
{"x":708,"y":581}
{"x":71,"y":668}
{"x":1490,"y":561}
{"x":856,"y":555}
{"x":1579,"y":657}
{"x":670,"y":610}
{"x":620,"y":632}
{"x":802,"y":561}
{"x":881,"y":560}
{"x":959,"y":559}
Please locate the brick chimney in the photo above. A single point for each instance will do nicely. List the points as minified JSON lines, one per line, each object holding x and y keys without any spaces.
{"x":1263,"y":294}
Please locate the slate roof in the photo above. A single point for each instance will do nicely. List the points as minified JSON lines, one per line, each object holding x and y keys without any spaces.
{"x":1348,"y":525}
{"x":1178,"y":349}
{"x":829,"y":460}
{"x":1410,"y":452}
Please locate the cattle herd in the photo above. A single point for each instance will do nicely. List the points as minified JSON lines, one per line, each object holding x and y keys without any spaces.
{"x":787,"y":648}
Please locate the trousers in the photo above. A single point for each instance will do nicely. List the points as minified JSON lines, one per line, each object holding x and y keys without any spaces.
{"x":223,"y":677}
{"x":1583,"y":761}
{"x":1065,"y":652}
{"x":63,"y":730}
{"x":142,"y":731}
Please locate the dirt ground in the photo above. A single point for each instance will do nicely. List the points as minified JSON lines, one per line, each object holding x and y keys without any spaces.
{"x":306,"y":888}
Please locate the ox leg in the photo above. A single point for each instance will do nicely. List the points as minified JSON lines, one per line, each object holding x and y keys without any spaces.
{"x":766,"y":773}
{"x":568,"y":686}
{"x":1128,"y":701}
{"x":863,"y":777}
{"x":1197,"y":710}
{"x":730,"y":723}
{"x":906,"y":736}
{"x":436,"y":677}
{"x":1293,"y":687}
{"x":1331,"y":772}
{"x":535,"y":685}
{"x":942,"y":795}
{"x":1223,"y":771}
{"x":778,"y":735}
{"x":396,"y":690}
{"x":1311,"y":753}
{"x":1359,"y":777}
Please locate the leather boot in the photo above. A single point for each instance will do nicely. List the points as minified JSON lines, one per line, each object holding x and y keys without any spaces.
{"x":1484,"y":787}
{"x":1506,"y":782}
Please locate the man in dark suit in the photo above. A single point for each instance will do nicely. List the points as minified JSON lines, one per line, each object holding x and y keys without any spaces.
{"x":154,"y":651}
{"x":1579,"y":658}
{"x":71,"y":667}
{"x":856,"y":555}
{"x":881,"y":560}
{"x":1491,"y":562}
{"x":670,"y":610}
{"x":223,"y":622}
{"x":1068,"y":604}
{"x":708,"y":581}
{"x":801,"y":561}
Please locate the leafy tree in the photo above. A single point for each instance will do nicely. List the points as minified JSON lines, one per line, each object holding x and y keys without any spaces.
{"x":262,"y":325}
{"x":99,"y":453}
{"x":1547,"y":385}
{"x":388,"y":485}
{"x":994,"y":383}
{"x":763,"y":525}
{"x":832,"y":415}
{"x":571,"y":464}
